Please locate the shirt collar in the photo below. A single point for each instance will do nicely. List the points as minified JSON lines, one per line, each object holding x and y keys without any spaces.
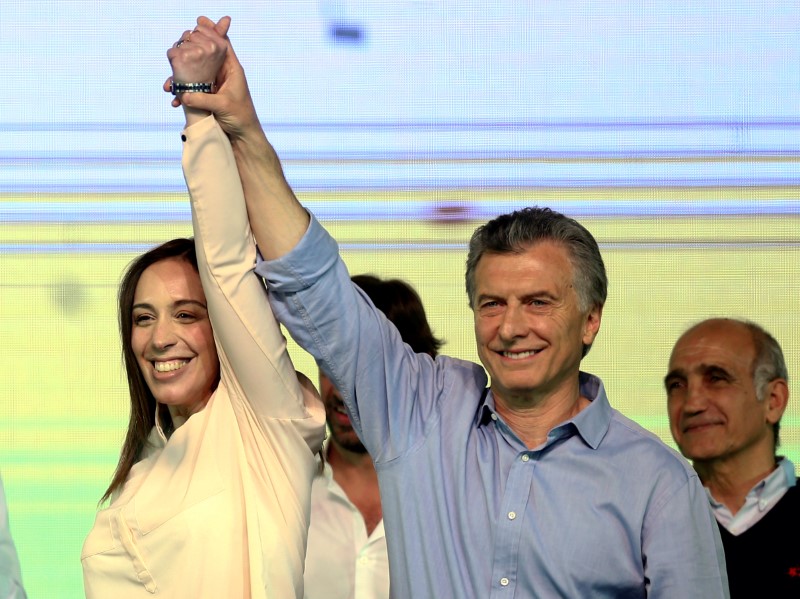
{"x":591,"y":423}
{"x":776,"y":482}
{"x":786,"y":466}
{"x":326,"y":471}
{"x":758,"y":501}
{"x":163,"y":420}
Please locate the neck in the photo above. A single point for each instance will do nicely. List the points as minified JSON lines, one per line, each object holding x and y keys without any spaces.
{"x":730,"y":481}
{"x":355,"y":474}
{"x":180,"y":414}
{"x":531,"y":418}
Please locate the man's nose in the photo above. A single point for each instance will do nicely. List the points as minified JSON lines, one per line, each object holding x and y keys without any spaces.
{"x":696,"y":397}
{"x":513,"y":324}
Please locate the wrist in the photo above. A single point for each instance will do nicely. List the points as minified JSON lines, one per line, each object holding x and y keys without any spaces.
{"x":194,"y":115}
{"x":250,"y":142}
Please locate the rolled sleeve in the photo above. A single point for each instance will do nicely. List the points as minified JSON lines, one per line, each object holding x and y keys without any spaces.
{"x":390,"y":392}
{"x":314,"y":255}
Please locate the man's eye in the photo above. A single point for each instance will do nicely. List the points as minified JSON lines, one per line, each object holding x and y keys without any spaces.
{"x":185,"y":316}
{"x":717,"y":376}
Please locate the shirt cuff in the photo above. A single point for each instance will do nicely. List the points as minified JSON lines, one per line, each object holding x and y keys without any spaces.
{"x":199,"y":128}
{"x":314,"y":255}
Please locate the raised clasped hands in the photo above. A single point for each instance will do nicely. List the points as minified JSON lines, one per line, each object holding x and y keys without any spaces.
{"x":205,"y":55}
{"x":199,"y":53}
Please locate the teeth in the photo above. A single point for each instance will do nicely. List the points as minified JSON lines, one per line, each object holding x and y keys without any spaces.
{"x":170,"y":366}
{"x":518,"y":355}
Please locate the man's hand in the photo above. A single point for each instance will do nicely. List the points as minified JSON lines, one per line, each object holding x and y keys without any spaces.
{"x":276,"y":217}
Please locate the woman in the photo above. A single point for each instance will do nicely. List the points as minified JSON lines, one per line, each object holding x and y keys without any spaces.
{"x":211,"y":494}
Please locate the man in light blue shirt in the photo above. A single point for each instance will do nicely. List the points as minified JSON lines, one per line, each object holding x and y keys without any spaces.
{"x":479,"y":498}
{"x":531,"y":487}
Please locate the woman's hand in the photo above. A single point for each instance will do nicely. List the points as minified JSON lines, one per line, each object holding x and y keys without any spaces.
{"x":198,"y":55}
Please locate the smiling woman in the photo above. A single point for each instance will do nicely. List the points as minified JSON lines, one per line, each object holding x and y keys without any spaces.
{"x":214,"y":477}
{"x":172,"y":338}
{"x":159,"y":284}
{"x":203,"y":442}
{"x":222,"y":433}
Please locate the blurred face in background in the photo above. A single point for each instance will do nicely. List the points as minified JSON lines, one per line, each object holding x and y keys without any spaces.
{"x":342,"y":433}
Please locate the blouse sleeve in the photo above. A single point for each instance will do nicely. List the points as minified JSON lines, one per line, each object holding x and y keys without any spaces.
{"x":252,"y":350}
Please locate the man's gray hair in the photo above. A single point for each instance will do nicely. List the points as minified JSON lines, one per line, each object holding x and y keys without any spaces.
{"x":517,"y":231}
{"x":768,"y":365}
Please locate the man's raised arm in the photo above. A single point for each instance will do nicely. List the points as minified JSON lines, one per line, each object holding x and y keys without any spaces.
{"x":276,"y":217}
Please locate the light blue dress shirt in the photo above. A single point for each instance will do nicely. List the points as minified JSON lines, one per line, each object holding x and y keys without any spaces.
{"x":602,"y":509}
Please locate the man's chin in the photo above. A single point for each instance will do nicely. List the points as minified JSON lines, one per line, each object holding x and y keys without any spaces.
{"x":355,"y":447}
{"x":350,"y":443}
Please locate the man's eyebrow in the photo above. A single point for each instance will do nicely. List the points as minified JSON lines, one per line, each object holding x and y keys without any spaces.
{"x":675,"y":373}
{"x":486,"y":296}
{"x":706,"y":368}
{"x":703,"y":368}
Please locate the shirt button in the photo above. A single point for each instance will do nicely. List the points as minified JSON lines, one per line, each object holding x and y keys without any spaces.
{"x":504,"y":582}
{"x":525,"y":457}
{"x":494,"y":416}
{"x":512,"y":515}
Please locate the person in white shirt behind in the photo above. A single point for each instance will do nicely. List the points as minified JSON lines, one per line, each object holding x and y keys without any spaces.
{"x":347,"y":556}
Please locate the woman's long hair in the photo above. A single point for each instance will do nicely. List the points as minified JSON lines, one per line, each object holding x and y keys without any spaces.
{"x":143,"y":404}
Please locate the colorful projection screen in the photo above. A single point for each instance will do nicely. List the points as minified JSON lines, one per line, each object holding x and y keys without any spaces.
{"x":670,"y":129}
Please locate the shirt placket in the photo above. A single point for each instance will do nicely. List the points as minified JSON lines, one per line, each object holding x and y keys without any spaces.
{"x":510,"y":525}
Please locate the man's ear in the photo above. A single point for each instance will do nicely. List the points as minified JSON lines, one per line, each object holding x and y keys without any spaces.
{"x":777,"y":398}
{"x":591,"y":325}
